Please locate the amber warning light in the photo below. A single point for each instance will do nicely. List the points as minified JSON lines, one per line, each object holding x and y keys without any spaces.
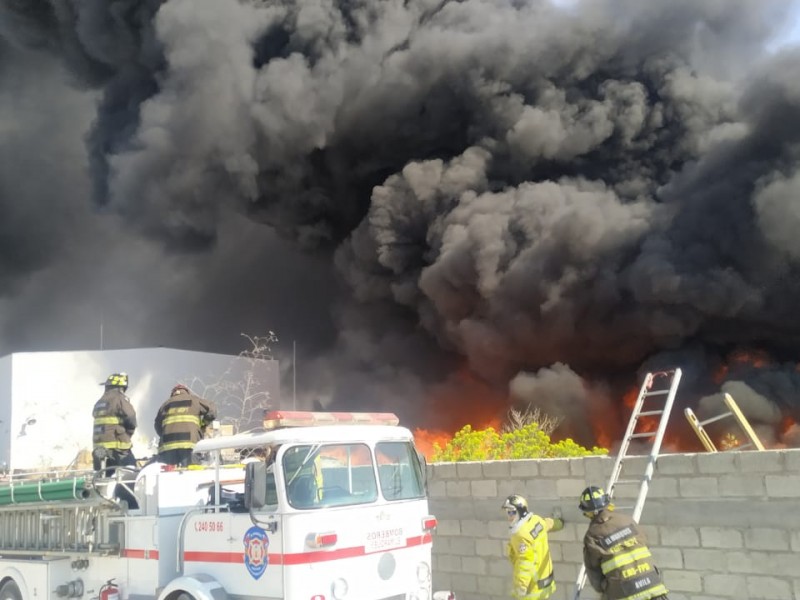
{"x":277,"y":419}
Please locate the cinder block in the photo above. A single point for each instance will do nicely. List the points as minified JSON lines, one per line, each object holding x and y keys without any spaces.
{"x":474,"y":564}
{"x":458,"y":489}
{"x":698,"y":487}
{"x":791,"y":460}
{"x":437,"y":489}
{"x":474,"y":528}
{"x":683,"y":581}
{"x":448,"y":563}
{"x":572,"y":553}
{"x":443,"y":471}
{"x":486,"y":488}
{"x":462,"y":546}
{"x":663,"y":487}
{"x":498,"y":530}
{"x":741,"y":485}
{"x":767,"y":461}
{"x":718,"y":537}
{"x":724,"y":585}
{"x":569,"y":488}
{"x":507,"y":487}
{"x":448,"y":527}
{"x":524,"y":469}
{"x":538,"y":488}
{"x":676,"y":464}
{"x":577,"y":467}
{"x":554,"y":467}
{"x":783,"y":486}
{"x":597,"y":469}
{"x":768,"y":588}
{"x":469,"y":470}
{"x":468,"y":583}
{"x":716,"y":463}
{"x":705,"y":560}
{"x":667,"y":558}
{"x":500,"y":568}
{"x":682,"y":537}
{"x":492,"y":585}
{"x":651,"y":532}
{"x":488,"y":547}
{"x":795,"y":541}
{"x":766,"y":539}
{"x":497,"y":469}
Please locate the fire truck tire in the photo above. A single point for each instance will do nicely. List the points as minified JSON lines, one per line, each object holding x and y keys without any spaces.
{"x":10,"y":591}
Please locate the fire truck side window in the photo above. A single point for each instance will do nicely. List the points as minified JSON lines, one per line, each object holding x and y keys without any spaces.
{"x":331,"y":475}
{"x":399,"y":471}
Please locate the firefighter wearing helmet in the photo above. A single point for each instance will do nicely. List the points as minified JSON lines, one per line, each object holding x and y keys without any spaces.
{"x":114,"y":424}
{"x":529,"y":550}
{"x":180,"y":424}
{"x":618,"y":562}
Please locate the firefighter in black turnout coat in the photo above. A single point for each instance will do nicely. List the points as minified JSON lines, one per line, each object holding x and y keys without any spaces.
{"x":180,"y":423}
{"x":615,"y":553}
{"x":114,"y":423}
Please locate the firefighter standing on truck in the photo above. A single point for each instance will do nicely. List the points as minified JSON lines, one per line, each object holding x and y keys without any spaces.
{"x":114,"y":423}
{"x":618,"y":562}
{"x":180,"y":424}
{"x":529,"y":550}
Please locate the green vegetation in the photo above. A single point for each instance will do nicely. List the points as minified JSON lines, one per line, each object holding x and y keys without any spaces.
{"x":527,"y":441}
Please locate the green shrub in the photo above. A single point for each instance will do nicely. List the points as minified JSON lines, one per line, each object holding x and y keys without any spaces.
{"x":528,"y":441}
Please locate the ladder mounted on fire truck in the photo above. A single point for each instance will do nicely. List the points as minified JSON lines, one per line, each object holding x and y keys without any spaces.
{"x":661,"y":385}
{"x":52,"y":515}
{"x":733,"y":411}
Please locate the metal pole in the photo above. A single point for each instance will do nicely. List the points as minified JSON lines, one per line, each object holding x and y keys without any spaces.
{"x":294,"y":375}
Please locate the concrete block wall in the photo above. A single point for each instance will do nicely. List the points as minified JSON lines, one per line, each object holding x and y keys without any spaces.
{"x":721,"y":526}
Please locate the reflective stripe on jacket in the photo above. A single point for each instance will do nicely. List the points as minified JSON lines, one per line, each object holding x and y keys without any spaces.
{"x":529,"y":554}
{"x":114,"y":421}
{"x":180,"y":421}
{"x":618,"y":561}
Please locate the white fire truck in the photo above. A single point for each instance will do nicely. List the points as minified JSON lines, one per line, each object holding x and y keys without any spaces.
{"x":317,"y":506}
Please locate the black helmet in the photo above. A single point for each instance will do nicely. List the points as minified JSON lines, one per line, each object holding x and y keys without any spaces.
{"x":179,"y":388}
{"x":517,"y":503}
{"x":116,"y":380}
{"x":593,"y":499}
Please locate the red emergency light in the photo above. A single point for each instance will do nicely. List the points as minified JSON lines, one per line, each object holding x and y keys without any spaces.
{"x":278,"y":419}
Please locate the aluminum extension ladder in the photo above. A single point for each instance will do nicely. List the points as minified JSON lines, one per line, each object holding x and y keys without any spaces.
{"x":648,"y":392}
{"x":84,"y":521}
{"x":733,"y":411}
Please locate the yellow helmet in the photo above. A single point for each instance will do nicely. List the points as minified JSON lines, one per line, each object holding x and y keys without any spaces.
{"x":119,"y":380}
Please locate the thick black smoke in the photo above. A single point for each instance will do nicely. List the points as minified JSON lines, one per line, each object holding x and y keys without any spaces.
{"x":535,"y":191}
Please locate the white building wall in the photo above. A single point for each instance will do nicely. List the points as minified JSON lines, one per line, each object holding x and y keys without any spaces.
{"x":47,"y":397}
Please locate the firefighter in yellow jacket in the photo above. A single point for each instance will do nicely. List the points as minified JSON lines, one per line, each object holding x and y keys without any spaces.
{"x":529,"y":550}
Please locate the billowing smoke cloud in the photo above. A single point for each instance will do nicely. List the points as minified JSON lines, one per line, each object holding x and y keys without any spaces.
{"x":409,"y":188}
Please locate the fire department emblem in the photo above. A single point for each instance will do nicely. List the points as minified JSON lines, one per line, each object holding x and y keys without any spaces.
{"x":256,"y":544}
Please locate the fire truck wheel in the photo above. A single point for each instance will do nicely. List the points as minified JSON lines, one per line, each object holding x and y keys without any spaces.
{"x":10,"y":591}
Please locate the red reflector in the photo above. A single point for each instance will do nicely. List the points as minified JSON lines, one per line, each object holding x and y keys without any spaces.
{"x":429,"y":523}
{"x":322,"y":540}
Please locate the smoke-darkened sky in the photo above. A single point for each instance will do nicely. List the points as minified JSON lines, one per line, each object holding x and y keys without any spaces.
{"x":540,"y":194}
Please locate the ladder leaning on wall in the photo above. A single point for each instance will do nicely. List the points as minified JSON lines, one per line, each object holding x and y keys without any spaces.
{"x":649,"y":393}
{"x":733,"y":411}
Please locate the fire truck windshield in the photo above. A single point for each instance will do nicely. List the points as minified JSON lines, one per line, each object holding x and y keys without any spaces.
{"x":344,"y":474}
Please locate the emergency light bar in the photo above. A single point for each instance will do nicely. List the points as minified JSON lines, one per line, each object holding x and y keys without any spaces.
{"x":277,"y":419}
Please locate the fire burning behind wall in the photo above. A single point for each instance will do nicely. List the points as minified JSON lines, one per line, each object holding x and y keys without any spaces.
{"x":463,"y":206}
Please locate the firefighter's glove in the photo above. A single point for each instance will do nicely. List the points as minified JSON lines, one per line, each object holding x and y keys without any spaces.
{"x":558,"y":523}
